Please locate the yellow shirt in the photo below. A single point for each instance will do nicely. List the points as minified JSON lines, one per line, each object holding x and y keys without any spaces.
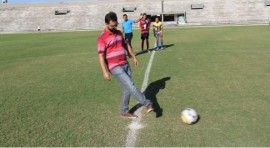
{"x":157,"y":26}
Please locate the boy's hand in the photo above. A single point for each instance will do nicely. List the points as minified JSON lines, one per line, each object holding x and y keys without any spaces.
{"x":107,"y":76}
{"x":136,"y":62}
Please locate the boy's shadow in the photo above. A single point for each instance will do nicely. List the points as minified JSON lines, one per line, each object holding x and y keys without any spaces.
{"x":151,"y":93}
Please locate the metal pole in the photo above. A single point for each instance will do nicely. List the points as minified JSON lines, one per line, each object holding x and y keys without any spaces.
{"x":162,"y":11}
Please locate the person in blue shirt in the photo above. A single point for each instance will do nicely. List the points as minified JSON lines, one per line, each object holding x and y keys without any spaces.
{"x":127,"y":27}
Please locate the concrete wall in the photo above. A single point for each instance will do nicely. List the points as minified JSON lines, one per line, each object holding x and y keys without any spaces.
{"x":90,"y":15}
{"x":230,"y":11}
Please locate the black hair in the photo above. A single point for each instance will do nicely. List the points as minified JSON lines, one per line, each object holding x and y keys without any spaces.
{"x":111,"y":16}
{"x":124,"y":14}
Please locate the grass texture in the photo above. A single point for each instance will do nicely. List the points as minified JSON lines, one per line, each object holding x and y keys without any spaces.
{"x":52,"y":92}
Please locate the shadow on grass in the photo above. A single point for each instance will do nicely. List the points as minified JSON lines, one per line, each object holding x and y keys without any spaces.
{"x":150,"y":50}
{"x":169,"y":45}
{"x":151,"y":93}
{"x":143,"y":52}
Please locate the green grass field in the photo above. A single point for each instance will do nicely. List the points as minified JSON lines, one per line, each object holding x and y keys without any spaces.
{"x":52,"y":92}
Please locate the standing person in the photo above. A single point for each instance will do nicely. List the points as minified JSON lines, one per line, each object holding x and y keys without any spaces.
{"x":158,"y":33}
{"x":145,"y":26}
{"x":111,"y":48}
{"x":127,"y":29}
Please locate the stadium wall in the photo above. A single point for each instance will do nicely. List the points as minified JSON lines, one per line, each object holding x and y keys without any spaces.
{"x":90,"y":15}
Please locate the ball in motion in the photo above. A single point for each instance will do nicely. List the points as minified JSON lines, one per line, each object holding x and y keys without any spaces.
{"x":189,"y":116}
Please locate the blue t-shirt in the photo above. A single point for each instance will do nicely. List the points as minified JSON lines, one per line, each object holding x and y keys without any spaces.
{"x":127,"y":25}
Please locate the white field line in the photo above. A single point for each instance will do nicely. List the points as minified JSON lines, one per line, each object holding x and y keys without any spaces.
{"x":135,"y":124}
{"x":214,"y":26}
{"x":135,"y":28}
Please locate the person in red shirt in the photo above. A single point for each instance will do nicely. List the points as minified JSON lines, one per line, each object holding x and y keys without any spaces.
{"x":145,"y":26}
{"x":111,"y":48}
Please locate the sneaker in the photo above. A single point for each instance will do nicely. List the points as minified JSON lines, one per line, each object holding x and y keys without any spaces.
{"x":129,"y":115}
{"x":149,"y":108}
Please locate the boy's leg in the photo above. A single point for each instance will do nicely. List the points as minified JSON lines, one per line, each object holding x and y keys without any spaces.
{"x":128,"y":38}
{"x":147,"y":41}
{"x":125,"y":99}
{"x":131,"y":36}
{"x":157,"y":44}
{"x":147,"y":44}
{"x":143,"y":44}
{"x":161,"y":41}
{"x":123,"y":75}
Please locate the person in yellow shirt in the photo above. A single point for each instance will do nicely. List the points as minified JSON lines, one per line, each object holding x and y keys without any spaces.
{"x":158,"y":33}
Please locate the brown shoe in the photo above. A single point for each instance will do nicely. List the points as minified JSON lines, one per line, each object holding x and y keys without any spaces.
{"x":129,"y":115}
{"x":149,"y":108}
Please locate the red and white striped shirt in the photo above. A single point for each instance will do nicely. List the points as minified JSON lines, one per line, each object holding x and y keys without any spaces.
{"x":145,"y":26}
{"x":113,"y":46}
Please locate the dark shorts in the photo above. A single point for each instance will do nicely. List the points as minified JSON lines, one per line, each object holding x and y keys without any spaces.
{"x":128,"y":37}
{"x":145,"y":36}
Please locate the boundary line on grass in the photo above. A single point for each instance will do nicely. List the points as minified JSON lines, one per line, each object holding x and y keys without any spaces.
{"x":136,"y":28}
{"x":135,"y":124}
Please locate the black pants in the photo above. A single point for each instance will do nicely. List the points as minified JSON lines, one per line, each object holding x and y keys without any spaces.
{"x":128,"y":37}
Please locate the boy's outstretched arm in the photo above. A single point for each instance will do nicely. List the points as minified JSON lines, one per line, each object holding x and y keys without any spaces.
{"x":103,"y":65}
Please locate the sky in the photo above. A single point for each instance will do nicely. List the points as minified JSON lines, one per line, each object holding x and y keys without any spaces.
{"x":46,"y":1}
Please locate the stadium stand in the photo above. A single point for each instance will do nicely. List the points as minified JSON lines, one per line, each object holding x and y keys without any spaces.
{"x":89,"y":15}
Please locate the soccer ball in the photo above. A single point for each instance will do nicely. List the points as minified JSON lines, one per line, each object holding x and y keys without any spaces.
{"x":189,"y":116}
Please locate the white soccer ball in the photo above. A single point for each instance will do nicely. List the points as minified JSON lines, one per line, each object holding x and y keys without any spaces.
{"x":189,"y":116}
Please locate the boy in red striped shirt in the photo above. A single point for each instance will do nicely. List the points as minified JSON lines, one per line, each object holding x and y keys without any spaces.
{"x":112,"y":57}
